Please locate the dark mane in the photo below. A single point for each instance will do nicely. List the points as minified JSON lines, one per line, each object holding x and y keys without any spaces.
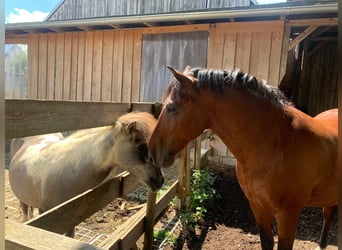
{"x":216,"y":80}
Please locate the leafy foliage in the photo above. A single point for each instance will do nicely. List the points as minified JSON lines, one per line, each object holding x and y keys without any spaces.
{"x":202,"y":194}
{"x":165,"y":234}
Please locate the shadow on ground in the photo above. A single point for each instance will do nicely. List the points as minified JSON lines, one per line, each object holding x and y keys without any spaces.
{"x":233,"y":211}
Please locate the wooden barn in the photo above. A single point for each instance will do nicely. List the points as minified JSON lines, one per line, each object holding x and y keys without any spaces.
{"x":117,"y":51}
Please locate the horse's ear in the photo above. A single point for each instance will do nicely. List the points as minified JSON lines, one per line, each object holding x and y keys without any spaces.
{"x":187,"y":68}
{"x":173,"y":71}
{"x":179,"y":75}
{"x":131,"y":127}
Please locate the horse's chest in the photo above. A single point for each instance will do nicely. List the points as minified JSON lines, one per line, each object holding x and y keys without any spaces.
{"x":252,"y":183}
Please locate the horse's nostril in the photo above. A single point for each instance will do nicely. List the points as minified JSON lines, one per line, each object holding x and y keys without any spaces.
{"x":151,"y":159}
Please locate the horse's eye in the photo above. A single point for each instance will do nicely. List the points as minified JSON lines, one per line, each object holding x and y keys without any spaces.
{"x":171,"y":109}
{"x":142,"y":148}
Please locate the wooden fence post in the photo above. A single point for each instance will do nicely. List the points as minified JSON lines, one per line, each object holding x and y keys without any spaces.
{"x":184,"y":176}
{"x":197,"y":153}
{"x":181,"y":167}
{"x":187,"y":178}
{"x":149,"y":221}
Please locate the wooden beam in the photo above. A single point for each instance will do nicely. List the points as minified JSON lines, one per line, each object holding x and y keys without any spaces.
{"x":302,"y":36}
{"x":115,"y":26}
{"x":319,"y":31}
{"x":177,"y":28}
{"x":150,"y":24}
{"x":316,"y":21}
{"x":324,"y":39}
{"x":24,"y":237}
{"x":256,"y":26}
{"x":69,"y":214}
{"x":16,"y":39}
{"x":129,"y":232}
{"x":32,"y":117}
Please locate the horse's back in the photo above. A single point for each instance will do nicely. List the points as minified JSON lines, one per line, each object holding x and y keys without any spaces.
{"x":325,"y":190}
{"x":329,"y":118}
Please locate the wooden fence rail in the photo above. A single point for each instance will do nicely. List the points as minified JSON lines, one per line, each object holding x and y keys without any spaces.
{"x":28,"y":117}
{"x":34,"y":117}
{"x":25,"y":237}
{"x":69,"y":214}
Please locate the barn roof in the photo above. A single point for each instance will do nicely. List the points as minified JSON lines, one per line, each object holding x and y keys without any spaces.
{"x":294,"y":10}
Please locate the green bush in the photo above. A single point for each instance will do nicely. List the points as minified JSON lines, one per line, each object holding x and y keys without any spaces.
{"x":202,"y":194}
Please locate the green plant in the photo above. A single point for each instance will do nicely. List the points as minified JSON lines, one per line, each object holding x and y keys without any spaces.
{"x":202,"y":194}
{"x":164,"y":234}
{"x":162,"y":190}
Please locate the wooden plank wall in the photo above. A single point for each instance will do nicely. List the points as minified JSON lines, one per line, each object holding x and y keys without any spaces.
{"x":108,"y":66}
{"x":318,"y":85}
{"x":254,"y":47}
{"x":175,"y":49}
{"x":85,"y":66}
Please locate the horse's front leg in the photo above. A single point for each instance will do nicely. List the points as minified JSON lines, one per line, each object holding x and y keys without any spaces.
{"x":287,"y":223}
{"x":328,"y":214}
{"x":264,"y":221}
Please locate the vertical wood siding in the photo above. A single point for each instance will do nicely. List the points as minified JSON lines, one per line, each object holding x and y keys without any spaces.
{"x":85,"y":66}
{"x":318,"y":87}
{"x":175,"y":49}
{"x":130,"y":65}
{"x":254,"y":47}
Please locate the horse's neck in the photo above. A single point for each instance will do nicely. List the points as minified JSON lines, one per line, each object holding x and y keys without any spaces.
{"x":93,"y":146}
{"x":246,"y":126}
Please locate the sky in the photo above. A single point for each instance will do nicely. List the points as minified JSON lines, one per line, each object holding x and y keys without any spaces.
{"x":17,"y":11}
{"x":28,"y":10}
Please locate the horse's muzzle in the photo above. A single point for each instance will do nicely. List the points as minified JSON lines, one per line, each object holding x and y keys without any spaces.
{"x":156,"y":184}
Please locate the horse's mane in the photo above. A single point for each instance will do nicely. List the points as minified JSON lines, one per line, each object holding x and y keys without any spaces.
{"x":217,"y":79}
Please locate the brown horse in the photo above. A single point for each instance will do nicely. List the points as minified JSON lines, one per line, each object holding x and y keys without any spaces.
{"x":286,"y":160}
{"x":47,"y":170}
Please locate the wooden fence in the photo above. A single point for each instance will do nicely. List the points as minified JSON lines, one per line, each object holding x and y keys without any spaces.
{"x":24,"y":118}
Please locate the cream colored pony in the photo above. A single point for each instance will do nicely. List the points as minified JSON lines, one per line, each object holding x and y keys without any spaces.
{"x":47,"y":170}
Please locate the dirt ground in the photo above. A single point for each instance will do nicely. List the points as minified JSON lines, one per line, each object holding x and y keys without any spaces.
{"x":229,"y":225}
